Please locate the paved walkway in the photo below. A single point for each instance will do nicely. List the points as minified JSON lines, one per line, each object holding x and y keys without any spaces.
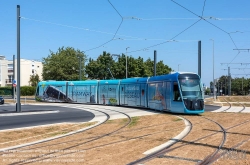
{"x":238,"y":109}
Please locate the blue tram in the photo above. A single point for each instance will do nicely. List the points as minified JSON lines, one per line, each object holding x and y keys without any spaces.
{"x":176,"y":92}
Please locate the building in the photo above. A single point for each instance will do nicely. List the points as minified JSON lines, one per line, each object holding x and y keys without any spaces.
{"x":27,"y":68}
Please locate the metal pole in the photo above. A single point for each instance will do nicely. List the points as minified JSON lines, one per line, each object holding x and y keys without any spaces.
{"x":155,"y":55}
{"x":242,"y":85}
{"x":18,"y":104}
{"x":13,"y":78}
{"x":126,"y":63}
{"x":178,"y":67}
{"x":80,"y":72}
{"x":229,"y":82}
{"x":225,"y":85}
{"x":213,"y":72}
{"x":199,"y":58}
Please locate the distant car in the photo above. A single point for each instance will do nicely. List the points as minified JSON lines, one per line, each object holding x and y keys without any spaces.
{"x":1,"y":100}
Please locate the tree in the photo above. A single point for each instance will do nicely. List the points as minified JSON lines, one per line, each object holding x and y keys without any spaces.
{"x":161,"y":68}
{"x":105,"y":65}
{"x":34,"y":79}
{"x":64,"y":64}
{"x":101,"y":68}
{"x":207,"y":91}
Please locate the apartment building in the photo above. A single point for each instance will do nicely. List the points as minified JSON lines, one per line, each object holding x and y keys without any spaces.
{"x":27,"y":68}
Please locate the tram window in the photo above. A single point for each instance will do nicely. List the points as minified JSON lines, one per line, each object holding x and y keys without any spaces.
{"x":176,"y":92}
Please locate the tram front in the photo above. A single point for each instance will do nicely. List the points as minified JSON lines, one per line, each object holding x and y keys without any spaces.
{"x":191,"y":93}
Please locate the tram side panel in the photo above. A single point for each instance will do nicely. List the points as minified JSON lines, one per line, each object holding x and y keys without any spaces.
{"x":132,"y":94}
{"x":108,"y":92}
{"x":62,"y":91}
{"x":157,"y":96}
{"x":143,"y":95}
{"x":52,"y":92}
{"x":83,"y":92}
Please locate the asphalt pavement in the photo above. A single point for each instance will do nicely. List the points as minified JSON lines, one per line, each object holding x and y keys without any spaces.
{"x":35,"y":115}
{"x":209,"y":108}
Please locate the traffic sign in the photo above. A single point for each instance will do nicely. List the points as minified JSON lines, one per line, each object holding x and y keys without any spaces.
{"x":14,"y":82}
{"x":14,"y":85}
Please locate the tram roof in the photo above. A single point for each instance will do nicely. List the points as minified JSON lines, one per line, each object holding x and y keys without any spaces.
{"x":109,"y":82}
{"x":134,"y":80}
{"x":171,"y":76}
{"x":165,"y":77}
{"x":52,"y":83}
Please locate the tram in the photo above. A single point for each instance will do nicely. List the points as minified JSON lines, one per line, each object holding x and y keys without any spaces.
{"x":179,"y":92}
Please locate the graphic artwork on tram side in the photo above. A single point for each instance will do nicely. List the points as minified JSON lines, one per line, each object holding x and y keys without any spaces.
{"x":175,"y":92}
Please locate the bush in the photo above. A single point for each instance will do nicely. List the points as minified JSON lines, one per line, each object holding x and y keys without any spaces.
{"x":6,"y":91}
{"x":27,"y":90}
{"x":207,"y":91}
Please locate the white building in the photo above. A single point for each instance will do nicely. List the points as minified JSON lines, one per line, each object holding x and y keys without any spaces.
{"x":27,"y":68}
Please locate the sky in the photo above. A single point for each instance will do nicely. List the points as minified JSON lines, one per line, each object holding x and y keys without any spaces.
{"x":135,"y":28}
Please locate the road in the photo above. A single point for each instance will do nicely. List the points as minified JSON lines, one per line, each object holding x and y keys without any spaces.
{"x":209,"y":108}
{"x":34,"y":115}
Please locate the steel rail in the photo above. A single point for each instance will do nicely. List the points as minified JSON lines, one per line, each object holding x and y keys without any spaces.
{"x":44,"y":156}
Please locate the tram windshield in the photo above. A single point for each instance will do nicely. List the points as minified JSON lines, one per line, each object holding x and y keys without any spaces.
{"x":190,"y":88}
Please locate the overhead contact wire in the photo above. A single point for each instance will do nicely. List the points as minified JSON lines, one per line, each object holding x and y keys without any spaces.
{"x":210,"y":24}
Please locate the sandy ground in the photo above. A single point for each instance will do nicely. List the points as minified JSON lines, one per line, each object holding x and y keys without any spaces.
{"x":144,"y":133}
{"x":21,"y":136}
{"x":120,"y":148}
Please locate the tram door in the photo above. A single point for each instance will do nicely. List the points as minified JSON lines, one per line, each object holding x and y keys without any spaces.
{"x":177,"y":105}
{"x":168,"y":94}
{"x":176,"y":92}
{"x":122,"y":94}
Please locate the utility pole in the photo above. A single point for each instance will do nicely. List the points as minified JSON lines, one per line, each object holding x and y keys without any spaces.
{"x":155,"y":55}
{"x":199,"y":58}
{"x":229,"y":82}
{"x":242,"y":85}
{"x":126,"y":63}
{"x":213,"y":72}
{"x":225,"y":85}
{"x":13,"y":78}
{"x":80,"y":69}
{"x":18,"y":104}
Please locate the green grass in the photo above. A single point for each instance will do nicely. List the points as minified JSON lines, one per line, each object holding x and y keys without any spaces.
{"x":134,"y":121}
{"x":177,"y":119}
{"x":109,"y":122}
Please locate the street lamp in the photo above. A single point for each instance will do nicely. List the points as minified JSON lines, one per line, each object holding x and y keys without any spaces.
{"x":213,"y":70}
{"x":126,"y":63}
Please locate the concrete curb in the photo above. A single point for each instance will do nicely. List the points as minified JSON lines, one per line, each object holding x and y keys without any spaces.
{"x":173,"y":140}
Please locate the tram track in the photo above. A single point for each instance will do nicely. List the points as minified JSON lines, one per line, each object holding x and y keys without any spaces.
{"x":235,"y":147}
{"x":211,"y":157}
{"x":55,"y":138}
{"x":115,"y":142}
{"x":46,"y":156}
{"x":139,"y":137}
{"x":228,"y":107}
{"x":206,"y":160}
{"x":243,"y":107}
